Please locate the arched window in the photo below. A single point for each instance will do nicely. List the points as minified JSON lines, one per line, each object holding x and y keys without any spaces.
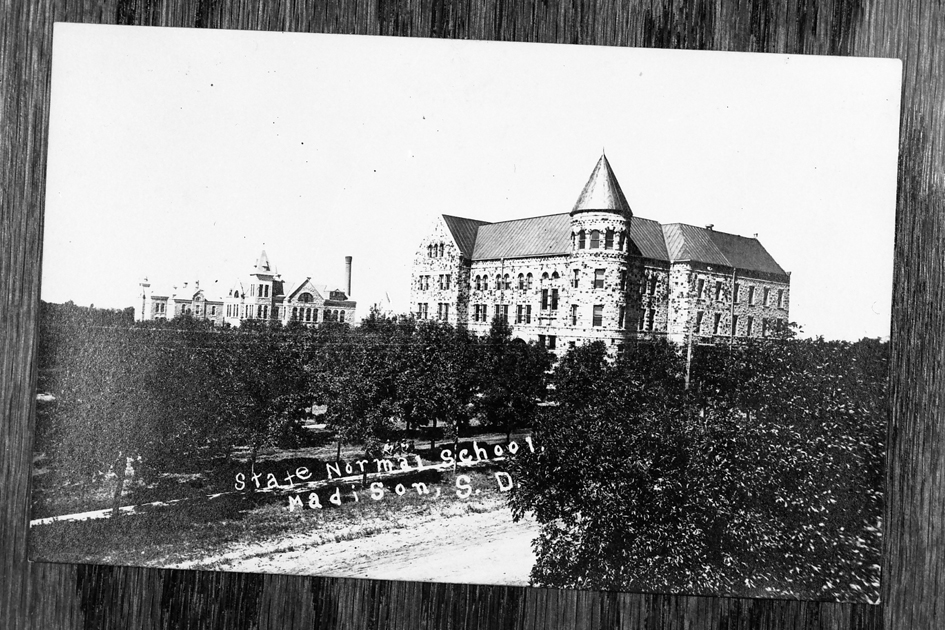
{"x":507,"y":285}
{"x":342,"y":316}
{"x":582,"y":237}
{"x":429,"y":251}
{"x":485,"y":283}
{"x":595,"y":239}
{"x":441,"y":250}
{"x":609,"y":238}
{"x":544,"y":276}
{"x":528,"y":281}
{"x":314,"y":314}
{"x":521,"y":282}
{"x":295,"y":313}
{"x":623,"y":240}
{"x":305,"y":298}
{"x":498,"y":282}
{"x":478,"y":283}
{"x":555,"y":276}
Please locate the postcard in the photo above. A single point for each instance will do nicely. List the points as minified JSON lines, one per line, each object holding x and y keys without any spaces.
{"x":475,"y":312}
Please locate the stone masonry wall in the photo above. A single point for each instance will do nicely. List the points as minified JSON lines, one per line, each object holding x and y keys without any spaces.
{"x":427,"y":270}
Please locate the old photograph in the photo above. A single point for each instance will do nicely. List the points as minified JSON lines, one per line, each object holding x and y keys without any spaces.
{"x":475,"y":312}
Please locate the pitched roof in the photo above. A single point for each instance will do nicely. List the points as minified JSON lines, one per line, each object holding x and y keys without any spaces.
{"x":464,"y":232}
{"x":539,"y":236}
{"x":550,"y":235}
{"x":688,"y":242}
{"x":602,"y":191}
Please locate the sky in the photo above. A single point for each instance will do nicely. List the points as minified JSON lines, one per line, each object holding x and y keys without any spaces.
{"x":179,"y":154}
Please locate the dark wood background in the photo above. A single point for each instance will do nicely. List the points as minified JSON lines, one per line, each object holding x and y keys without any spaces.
{"x":78,"y":596}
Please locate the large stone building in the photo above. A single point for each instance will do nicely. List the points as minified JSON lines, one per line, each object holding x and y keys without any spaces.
{"x":262,"y":294}
{"x":598,"y":272}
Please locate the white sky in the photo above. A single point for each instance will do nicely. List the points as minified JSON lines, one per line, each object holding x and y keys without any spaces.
{"x":177,"y":153}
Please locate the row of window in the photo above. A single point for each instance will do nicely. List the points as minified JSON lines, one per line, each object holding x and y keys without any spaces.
{"x":701,"y":327}
{"x":423,"y":282}
{"x":593,"y":240}
{"x":263,"y":311}
{"x":481,"y":283}
{"x":435,"y":250}
{"x":767,"y":297}
{"x":442,"y":311}
{"x":523,"y":312}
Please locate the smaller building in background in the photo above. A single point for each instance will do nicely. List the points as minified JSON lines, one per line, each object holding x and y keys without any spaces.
{"x":262,"y":294}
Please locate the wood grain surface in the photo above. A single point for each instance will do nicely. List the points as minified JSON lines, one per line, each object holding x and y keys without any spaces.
{"x":71,"y":596}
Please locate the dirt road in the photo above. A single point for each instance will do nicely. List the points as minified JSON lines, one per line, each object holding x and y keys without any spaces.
{"x":485,"y":548}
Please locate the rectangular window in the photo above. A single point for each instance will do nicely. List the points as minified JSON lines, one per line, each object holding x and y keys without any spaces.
{"x":780,"y":298}
{"x":649,"y":320}
{"x":623,"y":280}
{"x":764,"y":297}
{"x":620,"y":317}
{"x":554,"y":299}
{"x":541,"y":340}
{"x":700,"y":287}
{"x":495,"y":312}
{"x":653,"y":284}
{"x":528,"y":313}
{"x":447,"y":282}
{"x":609,"y":239}
{"x":751,"y":296}
{"x":734,"y":325}
{"x":698,"y":328}
{"x":748,"y":326}
{"x":544,"y":299}
{"x":519,"y":314}
{"x":551,"y":342}
{"x":574,"y":310}
{"x":571,"y":344}
{"x":575,"y":279}
{"x":640,"y":323}
{"x":718,"y":290}
{"x":716,"y":322}
{"x":505,"y":313}
{"x":598,"y":315}
{"x":764,"y":327}
{"x":735,"y":293}
{"x":598,"y":278}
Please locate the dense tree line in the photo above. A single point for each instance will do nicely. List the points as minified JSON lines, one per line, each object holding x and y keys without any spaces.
{"x":180,"y":393}
{"x":763,"y":477}
{"x":751,"y":469}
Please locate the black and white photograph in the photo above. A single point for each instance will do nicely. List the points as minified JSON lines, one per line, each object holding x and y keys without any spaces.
{"x":473,"y":312}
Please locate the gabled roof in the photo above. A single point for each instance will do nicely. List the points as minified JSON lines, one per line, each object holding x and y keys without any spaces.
{"x":602,"y":191}
{"x":301,"y":284}
{"x":539,"y":236}
{"x":550,"y":235}
{"x":464,"y":232}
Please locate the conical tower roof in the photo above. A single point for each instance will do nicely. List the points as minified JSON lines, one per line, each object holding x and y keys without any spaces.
{"x":262,"y":264}
{"x":602,"y":192}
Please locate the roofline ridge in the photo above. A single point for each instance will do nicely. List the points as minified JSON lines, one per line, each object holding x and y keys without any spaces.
{"x":453,"y":216}
{"x":705,"y":229}
{"x":540,"y":216}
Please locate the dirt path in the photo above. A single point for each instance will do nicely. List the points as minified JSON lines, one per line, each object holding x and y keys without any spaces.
{"x":486,"y":548}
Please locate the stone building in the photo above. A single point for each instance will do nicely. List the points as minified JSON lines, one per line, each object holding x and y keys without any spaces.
{"x":598,"y":273}
{"x":261,"y":294}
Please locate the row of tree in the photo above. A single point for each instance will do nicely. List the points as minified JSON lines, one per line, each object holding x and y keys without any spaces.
{"x":741,"y":468}
{"x":171,"y":394}
{"x":764,"y":477}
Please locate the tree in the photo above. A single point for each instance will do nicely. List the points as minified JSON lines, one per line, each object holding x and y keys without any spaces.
{"x":765,"y":475}
{"x":512,"y":378}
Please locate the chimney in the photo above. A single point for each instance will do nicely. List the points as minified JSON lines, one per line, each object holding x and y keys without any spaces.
{"x":348,"y":276}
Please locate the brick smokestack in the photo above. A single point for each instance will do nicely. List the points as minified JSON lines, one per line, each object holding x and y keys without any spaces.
{"x":348,"y":276}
